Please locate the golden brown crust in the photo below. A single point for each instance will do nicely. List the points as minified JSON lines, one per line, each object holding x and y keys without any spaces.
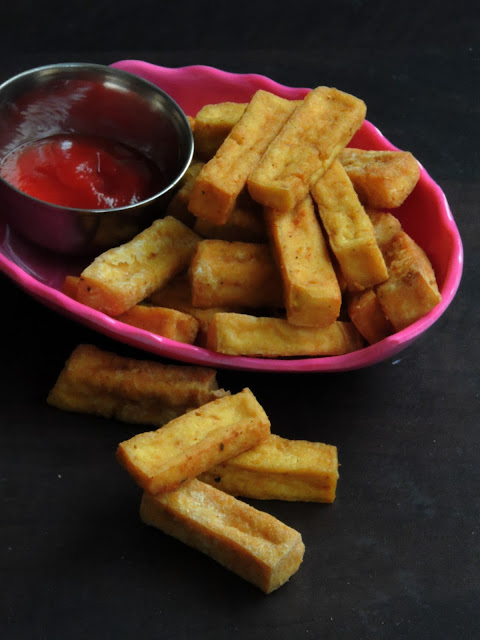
{"x":188,"y":445}
{"x":279,"y":469}
{"x":169,"y":323}
{"x":224,"y":176}
{"x":321,"y":126}
{"x":123,"y":276}
{"x":382,"y":179}
{"x":241,"y":334}
{"x":311,"y":291}
{"x":349,"y":229}
{"x":213,"y":123}
{"x":178,"y":205}
{"x":244,"y":224}
{"x":177,"y":295}
{"x":135,"y":391}
{"x":249,"y":542}
{"x":411,"y":290}
{"x":386,"y":226}
{"x":367,"y":315}
{"x":70,"y":286}
{"x":234,"y":274}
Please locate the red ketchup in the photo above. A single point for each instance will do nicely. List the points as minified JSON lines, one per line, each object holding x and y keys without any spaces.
{"x":80,"y":171}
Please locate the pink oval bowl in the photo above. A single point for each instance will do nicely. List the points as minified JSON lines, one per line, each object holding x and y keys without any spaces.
{"x":41,"y":274}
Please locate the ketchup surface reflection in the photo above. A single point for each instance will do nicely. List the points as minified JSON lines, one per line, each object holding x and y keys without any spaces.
{"x":81,"y":171}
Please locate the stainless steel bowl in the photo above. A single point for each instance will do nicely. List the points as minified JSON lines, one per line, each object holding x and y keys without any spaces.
{"x":93,"y":100}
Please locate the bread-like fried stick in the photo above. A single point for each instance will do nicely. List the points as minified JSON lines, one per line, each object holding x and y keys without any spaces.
{"x":349,"y":229}
{"x":241,"y":274}
{"x":411,"y":290}
{"x":169,"y":323}
{"x":241,"y":334}
{"x":188,"y":445}
{"x":177,"y":295}
{"x":382,"y":179}
{"x":119,"y":278}
{"x":311,"y":291}
{"x":321,"y":126}
{"x":367,"y":315}
{"x":224,"y":176}
{"x":253,"y":544}
{"x":178,"y":205}
{"x":136,"y":391}
{"x":385,"y":224}
{"x":213,"y":123}
{"x":244,"y":224}
{"x":70,"y":286}
{"x":279,"y":469}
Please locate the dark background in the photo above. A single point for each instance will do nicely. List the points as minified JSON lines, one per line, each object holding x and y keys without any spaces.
{"x":397,"y":555}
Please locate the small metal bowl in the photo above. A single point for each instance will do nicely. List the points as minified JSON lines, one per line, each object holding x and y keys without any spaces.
{"x":93,"y":100}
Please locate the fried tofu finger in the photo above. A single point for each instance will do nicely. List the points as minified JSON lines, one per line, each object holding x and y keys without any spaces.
{"x":349,"y":229}
{"x":241,"y":334}
{"x":136,"y":391}
{"x":279,"y":469}
{"x":177,"y":295}
{"x":188,"y":445}
{"x":382,"y":179}
{"x":70,"y":286}
{"x":244,"y":224}
{"x":311,"y":291}
{"x":386,"y":226}
{"x":253,"y":544}
{"x":224,"y":176}
{"x":240,"y":274}
{"x":411,"y":290}
{"x":178,"y":205}
{"x":366,"y":313}
{"x":213,"y":123}
{"x":120,"y":277}
{"x":165,"y":322}
{"x":305,"y":148}
{"x":168,"y":322}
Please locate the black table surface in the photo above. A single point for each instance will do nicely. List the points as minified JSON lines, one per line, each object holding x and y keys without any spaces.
{"x":397,"y":554}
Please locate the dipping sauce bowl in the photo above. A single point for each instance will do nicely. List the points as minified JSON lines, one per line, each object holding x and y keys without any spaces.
{"x":95,"y":102}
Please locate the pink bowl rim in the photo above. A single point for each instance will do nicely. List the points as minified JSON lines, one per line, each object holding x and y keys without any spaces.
{"x":164,"y":347}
